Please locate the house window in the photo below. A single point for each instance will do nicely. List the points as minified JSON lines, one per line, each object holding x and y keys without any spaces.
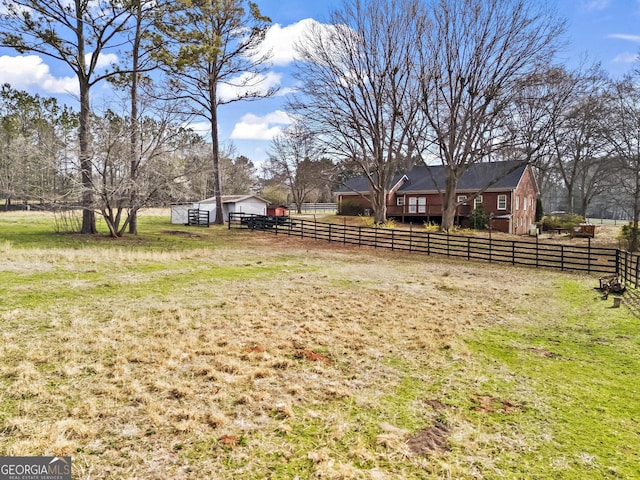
{"x":502,"y":202}
{"x":400,"y":201}
{"x":417,"y":205}
{"x":477,"y":201}
{"x":413,"y":202}
{"x":462,"y":199}
{"x":517,"y":202}
{"x":526,"y":200}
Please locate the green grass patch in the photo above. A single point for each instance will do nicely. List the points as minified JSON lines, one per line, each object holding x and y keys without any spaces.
{"x":579,"y":411}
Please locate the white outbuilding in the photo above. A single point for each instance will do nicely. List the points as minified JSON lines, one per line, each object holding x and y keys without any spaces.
{"x":230,"y":204}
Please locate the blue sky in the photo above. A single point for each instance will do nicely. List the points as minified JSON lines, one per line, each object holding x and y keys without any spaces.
{"x":605,"y":31}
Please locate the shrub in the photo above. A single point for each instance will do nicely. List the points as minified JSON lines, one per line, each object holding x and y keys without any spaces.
{"x":561,"y":220}
{"x":389,"y":224}
{"x":539,"y":211}
{"x":431,"y":226}
{"x":368,"y":221}
{"x":626,"y":233}
{"x":479,"y":219}
{"x":350,"y":208}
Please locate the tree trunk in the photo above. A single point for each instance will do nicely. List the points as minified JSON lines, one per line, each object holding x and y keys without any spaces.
{"x":449,"y":203}
{"x":379,"y":205}
{"x":88,"y":214}
{"x":215,"y":150}
{"x":135,"y":127}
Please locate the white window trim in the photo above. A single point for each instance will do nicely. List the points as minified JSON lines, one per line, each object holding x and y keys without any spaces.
{"x":422,"y":205}
{"x":400,"y":201}
{"x":462,"y":199}
{"x":413,"y":205}
{"x":504,"y":202}
{"x":477,"y":201}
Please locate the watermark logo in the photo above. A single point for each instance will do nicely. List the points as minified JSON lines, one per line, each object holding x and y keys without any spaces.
{"x":35,"y":468}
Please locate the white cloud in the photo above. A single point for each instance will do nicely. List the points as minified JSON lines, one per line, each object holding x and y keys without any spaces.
{"x":254,"y":127}
{"x":593,"y":5}
{"x":104,"y":59}
{"x":28,"y":72}
{"x":624,"y":36}
{"x":625,"y":58}
{"x":201,"y":128}
{"x":238,"y":86}
{"x":281,"y":40}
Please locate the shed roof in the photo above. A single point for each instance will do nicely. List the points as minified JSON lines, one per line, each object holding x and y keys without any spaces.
{"x":233,"y":199}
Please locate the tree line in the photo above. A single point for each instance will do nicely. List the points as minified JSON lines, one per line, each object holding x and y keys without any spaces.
{"x":384,"y":85}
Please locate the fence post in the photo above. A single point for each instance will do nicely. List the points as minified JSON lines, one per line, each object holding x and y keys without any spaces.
{"x":344,"y":232}
{"x":627,"y":266}
{"x":618,"y":261}
{"x":329,"y":233}
{"x":588,"y":254}
{"x":561,"y":257}
{"x":302,"y":228}
{"x":360,"y":236}
{"x":468,"y":248}
{"x":428,"y":243}
{"x":513,"y":252}
{"x":537,"y":250}
{"x":490,"y":246}
{"x":447,"y":243}
{"x":392,"y":240}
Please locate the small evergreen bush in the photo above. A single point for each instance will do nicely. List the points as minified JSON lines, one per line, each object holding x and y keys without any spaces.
{"x":351,"y":208}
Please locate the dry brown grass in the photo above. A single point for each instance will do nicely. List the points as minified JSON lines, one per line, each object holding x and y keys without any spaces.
{"x":218,"y":375}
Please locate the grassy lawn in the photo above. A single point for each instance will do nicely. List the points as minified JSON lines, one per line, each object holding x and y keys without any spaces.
{"x":195,"y":353}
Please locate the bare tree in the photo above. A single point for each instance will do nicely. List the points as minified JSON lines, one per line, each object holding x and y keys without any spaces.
{"x":159,"y":168}
{"x":623,"y":135}
{"x":476,"y":52}
{"x":292,"y":153}
{"x":358,"y":86}
{"x":541,"y":100}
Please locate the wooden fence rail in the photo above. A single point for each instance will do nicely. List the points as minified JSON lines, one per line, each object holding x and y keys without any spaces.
{"x":589,"y":259}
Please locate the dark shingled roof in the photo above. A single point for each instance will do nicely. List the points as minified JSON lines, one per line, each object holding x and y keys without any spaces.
{"x":490,"y":175}
{"x":361,"y":184}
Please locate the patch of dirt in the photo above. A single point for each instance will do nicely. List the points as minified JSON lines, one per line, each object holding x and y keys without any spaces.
{"x":229,"y":440}
{"x":430,"y":440}
{"x":437,"y":405}
{"x":543,"y":352}
{"x":313,"y":356}
{"x":489,"y":404}
{"x":181,"y":233}
{"x":254,"y":349}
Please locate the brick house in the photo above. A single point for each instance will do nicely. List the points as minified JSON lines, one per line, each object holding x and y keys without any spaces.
{"x":507,"y":191}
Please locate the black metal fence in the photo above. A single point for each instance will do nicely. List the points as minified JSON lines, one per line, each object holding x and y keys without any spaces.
{"x":589,"y":259}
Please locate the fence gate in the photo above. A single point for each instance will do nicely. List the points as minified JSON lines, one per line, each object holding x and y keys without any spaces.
{"x":628,"y":267}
